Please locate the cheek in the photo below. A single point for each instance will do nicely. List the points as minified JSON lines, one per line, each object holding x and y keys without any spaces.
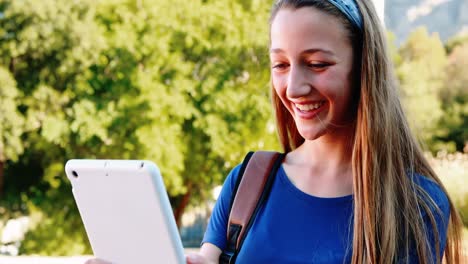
{"x":279,"y":86}
{"x":335,"y":86}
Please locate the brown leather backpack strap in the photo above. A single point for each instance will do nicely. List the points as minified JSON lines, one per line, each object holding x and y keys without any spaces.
{"x":254,"y":187}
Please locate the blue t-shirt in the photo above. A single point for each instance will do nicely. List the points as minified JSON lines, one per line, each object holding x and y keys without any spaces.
{"x":295,"y":227}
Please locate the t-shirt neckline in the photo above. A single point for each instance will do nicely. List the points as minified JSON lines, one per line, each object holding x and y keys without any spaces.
{"x":308,"y":197}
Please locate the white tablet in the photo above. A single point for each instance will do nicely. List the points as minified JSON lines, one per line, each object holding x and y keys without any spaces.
{"x":126,"y":211}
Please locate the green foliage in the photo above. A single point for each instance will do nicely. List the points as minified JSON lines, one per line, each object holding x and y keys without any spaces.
{"x":393,"y":49}
{"x":421,"y":75}
{"x":132,"y":79}
{"x":11,"y":121}
{"x":435,"y":94}
{"x":455,"y":42}
{"x":54,"y":231}
{"x":453,"y":126}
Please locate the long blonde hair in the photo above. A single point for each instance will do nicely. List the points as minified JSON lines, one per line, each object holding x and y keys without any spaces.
{"x":388,"y":204}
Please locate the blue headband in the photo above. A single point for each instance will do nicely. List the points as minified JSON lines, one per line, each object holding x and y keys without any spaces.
{"x":350,"y":9}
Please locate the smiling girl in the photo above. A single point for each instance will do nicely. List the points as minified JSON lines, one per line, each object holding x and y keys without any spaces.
{"x":354,"y":186}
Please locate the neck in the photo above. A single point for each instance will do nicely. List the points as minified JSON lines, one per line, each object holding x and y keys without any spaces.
{"x":330,"y":151}
{"x":323,"y":167}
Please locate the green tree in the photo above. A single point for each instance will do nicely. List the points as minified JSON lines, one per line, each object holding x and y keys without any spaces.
{"x":453,"y":127}
{"x":48,"y":47}
{"x":204,"y":76}
{"x":455,"y":42}
{"x":393,"y":49}
{"x":421,"y":74}
{"x":11,"y":123}
{"x":134,"y":79}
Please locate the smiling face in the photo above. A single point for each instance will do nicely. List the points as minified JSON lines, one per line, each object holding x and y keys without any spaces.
{"x":311,"y":66}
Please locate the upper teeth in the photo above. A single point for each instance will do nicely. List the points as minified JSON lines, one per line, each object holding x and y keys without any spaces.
{"x":307,"y":107}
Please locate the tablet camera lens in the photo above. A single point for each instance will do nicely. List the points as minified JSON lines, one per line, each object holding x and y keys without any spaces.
{"x":75,"y":174}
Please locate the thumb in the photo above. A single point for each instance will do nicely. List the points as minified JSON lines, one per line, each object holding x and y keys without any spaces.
{"x":195,"y":259}
{"x":96,"y":261}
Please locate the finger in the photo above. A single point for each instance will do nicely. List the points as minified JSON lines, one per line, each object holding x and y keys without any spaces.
{"x":96,"y":261}
{"x":194,"y":259}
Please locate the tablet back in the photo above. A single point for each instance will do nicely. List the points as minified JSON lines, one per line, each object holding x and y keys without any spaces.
{"x":126,"y":211}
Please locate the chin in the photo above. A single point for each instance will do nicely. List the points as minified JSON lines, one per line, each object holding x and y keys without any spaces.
{"x":311,"y":134}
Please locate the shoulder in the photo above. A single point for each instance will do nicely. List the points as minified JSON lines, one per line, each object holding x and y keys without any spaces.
{"x":433,"y":190}
{"x":437,"y":201}
{"x":217,"y":225}
{"x":228,"y":188}
{"x":231,"y":179}
{"x":433,"y":194}
{"x":258,"y":159}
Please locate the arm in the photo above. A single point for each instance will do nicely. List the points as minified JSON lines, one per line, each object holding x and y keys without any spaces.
{"x":215,"y":235}
{"x":209,"y":254}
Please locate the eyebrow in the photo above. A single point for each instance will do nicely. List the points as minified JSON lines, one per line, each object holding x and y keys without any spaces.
{"x":307,"y":51}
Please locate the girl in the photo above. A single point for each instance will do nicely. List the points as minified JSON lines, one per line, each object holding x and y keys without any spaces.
{"x":354,"y":186}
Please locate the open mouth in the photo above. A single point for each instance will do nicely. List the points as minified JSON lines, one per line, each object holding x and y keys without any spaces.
{"x":312,"y":107}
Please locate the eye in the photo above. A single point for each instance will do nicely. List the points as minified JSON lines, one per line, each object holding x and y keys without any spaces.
{"x":318,"y":65}
{"x":279,"y":66}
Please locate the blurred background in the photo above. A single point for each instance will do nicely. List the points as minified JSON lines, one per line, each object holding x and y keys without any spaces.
{"x":185,"y":84}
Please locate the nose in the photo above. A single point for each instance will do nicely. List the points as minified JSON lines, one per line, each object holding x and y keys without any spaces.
{"x":298,"y":86}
